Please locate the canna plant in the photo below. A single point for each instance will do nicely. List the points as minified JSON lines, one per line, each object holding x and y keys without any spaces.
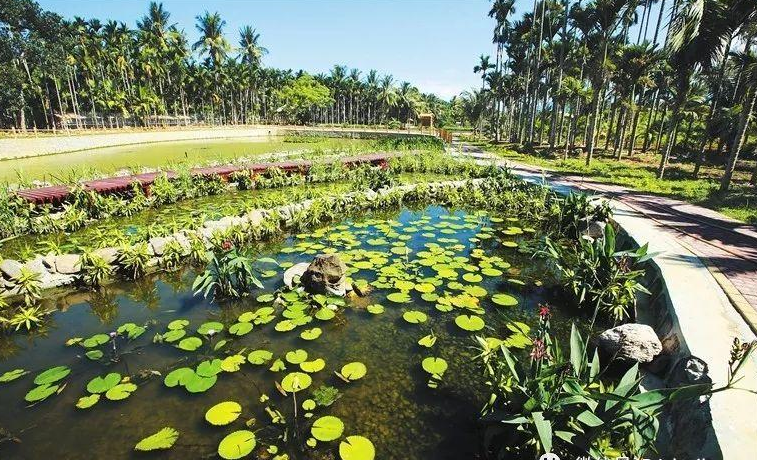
{"x":597,"y":275}
{"x":229,"y":274}
{"x":563,"y":403}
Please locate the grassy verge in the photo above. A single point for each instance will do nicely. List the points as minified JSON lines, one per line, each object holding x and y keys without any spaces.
{"x":639,"y":171}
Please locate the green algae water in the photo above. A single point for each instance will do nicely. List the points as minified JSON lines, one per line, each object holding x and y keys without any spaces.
{"x":432,"y":275}
{"x":107,"y":160}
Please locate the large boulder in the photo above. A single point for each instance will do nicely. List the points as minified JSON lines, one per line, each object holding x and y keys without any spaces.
{"x":630,"y":342}
{"x":294,"y":273}
{"x":326,"y":274}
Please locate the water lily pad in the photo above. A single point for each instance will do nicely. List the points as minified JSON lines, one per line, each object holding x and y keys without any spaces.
{"x":356,"y":448}
{"x":353,"y":371}
{"x":327,"y":428}
{"x":211,"y":327}
{"x":504,"y":300}
{"x":375,"y":309}
{"x":491,"y":272}
{"x":178,"y":377}
{"x":232,"y":363}
{"x":296,"y":381}
{"x":209,"y":368}
{"x":473,"y":278}
{"x":259,"y":357}
{"x":85,"y":402}
{"x":174,"y":335}
{"x":425,"y":288}
{"x":163,"y":439}
{"x":240,"y":329}
{"x":264,"y":298}
{"x":414,"y":317}
{"x":434,"y":366}
{"x":285,"y":326}
{"x":237,"y":445}
{"x":278,"y":366}
{"x":308,"y":404}
{"x":41,"y":393}
{"x":313,"y":366}
{"x":52,"y":375}
{"x":199,"y":384}
{"x":296,"y":356}
{"x":470,"y":322}
{"x":223,"y":413}
{"x":95,"y":341}
{"x":190,"y":343}
{"x":311,"y":334}
{"x":427,"y":341}
{"x":121,"y":391}
{"x":398,"y":297}
{"x":325,"y":314}
{"x":178,"y":324}
{"x":103,"y":384}
{"x":12,"y":375}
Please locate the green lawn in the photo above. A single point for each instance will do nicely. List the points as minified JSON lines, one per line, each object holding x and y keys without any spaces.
{"x":639,"y":173}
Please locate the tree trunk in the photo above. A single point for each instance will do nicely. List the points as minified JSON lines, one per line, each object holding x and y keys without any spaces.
{"x":738,"y":140}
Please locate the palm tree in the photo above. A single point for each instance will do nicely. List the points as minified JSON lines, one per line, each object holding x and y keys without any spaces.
{"x":482,"y":67}
{"x":212,"y":41}
{"x":749,"y":60}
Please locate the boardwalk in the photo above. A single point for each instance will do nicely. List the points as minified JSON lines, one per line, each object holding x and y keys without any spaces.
{"x":57,"y":194}
{"x":727,"y":247}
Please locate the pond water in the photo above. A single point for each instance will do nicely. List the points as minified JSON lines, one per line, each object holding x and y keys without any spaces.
{"x":469,"y":260}
{"x":55,"y":168}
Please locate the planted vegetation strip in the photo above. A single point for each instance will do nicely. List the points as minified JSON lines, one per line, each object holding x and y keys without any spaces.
{"x":495,"y":192}
{"x":58,"y":194}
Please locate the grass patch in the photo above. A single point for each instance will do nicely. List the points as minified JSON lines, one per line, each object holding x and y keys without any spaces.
{"x":639,"y":174}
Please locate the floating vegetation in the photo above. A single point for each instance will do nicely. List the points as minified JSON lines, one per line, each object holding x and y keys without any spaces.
{"x":311,"y":370}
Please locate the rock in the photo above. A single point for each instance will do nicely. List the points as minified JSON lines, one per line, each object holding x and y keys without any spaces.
{"x":688,"y":371}
{"x":36,"y":265}
{"x":630,"y":342}
{"x":295,"y":271}
{"x":109,"y":255}
{"x":158,"y":244}
{"x":68,"y":264}
{"x":326,"y":274}
{"x":255,"y":217}
{"x":593,"y":229}
{"x":54,"y":280}
{"x":10,"y":268}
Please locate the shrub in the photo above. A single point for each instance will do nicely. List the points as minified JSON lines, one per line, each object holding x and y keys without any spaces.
{"x":163,"y":191}
{"x":375,"y":178}
{"x":96,"y":270}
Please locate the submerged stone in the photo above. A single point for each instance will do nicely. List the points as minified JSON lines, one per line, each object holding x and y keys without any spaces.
{"x":326,"y":274}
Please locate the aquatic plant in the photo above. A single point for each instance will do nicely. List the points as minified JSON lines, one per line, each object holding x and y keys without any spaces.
{"x":228,"y":274}
{"x":95,"y":269}
{"x":27,"y":318}
{"x":28,"y":285}
{"x":132,"y":260}
{"x":562,"y":404}
{"x":163,"y":439}
{"x":598,"y":275}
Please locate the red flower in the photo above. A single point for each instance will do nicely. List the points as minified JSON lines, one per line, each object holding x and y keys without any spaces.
{"x":227,"y":245}
{"x":544,"y":311}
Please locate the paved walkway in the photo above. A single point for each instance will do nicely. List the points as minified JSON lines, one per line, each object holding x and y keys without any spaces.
{"x":727,"y":247}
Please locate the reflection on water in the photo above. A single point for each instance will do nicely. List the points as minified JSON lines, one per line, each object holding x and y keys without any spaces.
{"x":391,"y":405}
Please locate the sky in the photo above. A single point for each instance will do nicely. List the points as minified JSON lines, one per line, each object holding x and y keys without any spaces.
{"x":433,"y":44}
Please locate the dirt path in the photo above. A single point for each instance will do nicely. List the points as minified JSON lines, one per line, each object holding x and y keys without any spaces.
{"x":727,"y":247}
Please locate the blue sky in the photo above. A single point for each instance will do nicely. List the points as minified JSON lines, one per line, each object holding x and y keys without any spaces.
{"x":433,"y":44}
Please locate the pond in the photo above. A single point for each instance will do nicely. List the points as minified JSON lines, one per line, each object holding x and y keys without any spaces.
{"x":448,"y":274}
{"x":55,"y":168}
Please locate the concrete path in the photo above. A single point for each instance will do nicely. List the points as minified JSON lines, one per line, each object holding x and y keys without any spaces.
{"x":727,"y":247}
